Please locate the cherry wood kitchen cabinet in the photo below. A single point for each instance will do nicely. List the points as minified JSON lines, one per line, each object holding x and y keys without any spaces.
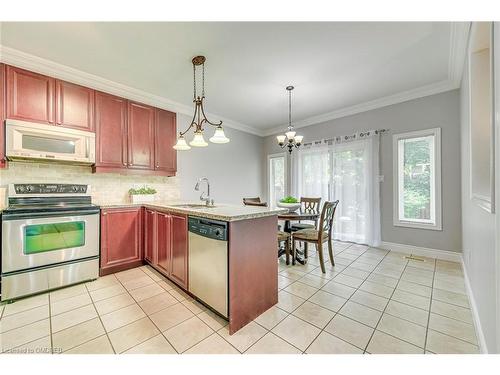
{"x":30,"y":96}
{"x":3,"y":162}
{"x":164,"y":141}
{"x":141,"y":121}
{"x":121,"y":239}
{"x":164,"y":243}
{"x":74,"y":106}
{"x":179,"y":262}
{"x":150,"y":255}
{"x":111,"y":132}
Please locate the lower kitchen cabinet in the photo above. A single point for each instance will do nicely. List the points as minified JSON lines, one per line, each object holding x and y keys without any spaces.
{"x":179,"y":266}
{"x":121,"y":239}
{"x":166,"y":246}
{"x":149,"y":235}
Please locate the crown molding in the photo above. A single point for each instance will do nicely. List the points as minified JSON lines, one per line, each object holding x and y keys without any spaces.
{"x":40,"y":65}
{"x":459,"y":39}
{"x":420,"y":92}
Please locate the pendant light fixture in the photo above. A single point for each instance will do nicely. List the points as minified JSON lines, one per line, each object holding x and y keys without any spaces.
{"x":199,"y":117}
{"x":290,"y":139}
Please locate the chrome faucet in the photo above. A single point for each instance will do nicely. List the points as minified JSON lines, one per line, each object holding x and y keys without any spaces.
{"x":207,"y":199}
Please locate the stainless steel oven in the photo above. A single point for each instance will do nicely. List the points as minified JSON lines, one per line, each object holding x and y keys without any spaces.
{"x":50,"y":238}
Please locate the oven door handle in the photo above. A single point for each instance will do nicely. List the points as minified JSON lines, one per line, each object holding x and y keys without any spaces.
{"x":39,"y":215}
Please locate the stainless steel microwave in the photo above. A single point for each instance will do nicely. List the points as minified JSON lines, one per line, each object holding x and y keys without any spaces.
{"x":26,"y":140}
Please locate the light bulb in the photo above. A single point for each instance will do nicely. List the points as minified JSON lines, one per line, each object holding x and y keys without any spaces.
{"x":181,"y":144}
{"x":198,"y":140}
{"x":219,"y":136}
{"x":290,"y":134}
{"x":298,"y":139}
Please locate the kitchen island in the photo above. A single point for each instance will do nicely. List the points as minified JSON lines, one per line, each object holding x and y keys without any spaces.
{"x":157,"y":234}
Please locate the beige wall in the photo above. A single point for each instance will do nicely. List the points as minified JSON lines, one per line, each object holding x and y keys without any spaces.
{"x":106,"y":187}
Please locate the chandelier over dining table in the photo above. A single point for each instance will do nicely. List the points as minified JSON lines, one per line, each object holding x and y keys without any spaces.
{"x":199,"y":117}
{"x":290,"y":139}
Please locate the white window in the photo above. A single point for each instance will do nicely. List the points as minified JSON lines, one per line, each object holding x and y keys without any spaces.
{"x":277,"y":178}
{"x":417,"y":179}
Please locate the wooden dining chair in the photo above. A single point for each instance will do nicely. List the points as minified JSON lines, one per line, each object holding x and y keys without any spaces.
{"x":318,"y":236}
{"x":284,"y":237}
{"x":254,"y":202}
{"x":308,"y":206}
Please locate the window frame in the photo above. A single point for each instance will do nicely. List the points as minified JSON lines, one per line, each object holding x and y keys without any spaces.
{"x":285,"y":167}
{"x":437,"y":188}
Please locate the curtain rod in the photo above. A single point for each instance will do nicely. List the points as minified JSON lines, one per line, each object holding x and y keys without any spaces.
{"x":350,"y":137}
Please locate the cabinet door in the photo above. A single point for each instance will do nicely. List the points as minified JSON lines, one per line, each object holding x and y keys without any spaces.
{"x":2,"y":116}
{"x":111,"y":131}
{"x":121,"y":239}
{"x":30,"y":96}
{"x":74,"y":106}
{"x":165,"y":139}
{"x":140,"y":136}
{"x":150,"y":249}
{"x":179,"y":266}
{"x":164,"y":242}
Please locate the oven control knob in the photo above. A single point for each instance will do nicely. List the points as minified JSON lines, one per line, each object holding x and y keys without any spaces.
{"x":29,"y":188}
{"x":217,"y":232}
{"x":75,"y":188}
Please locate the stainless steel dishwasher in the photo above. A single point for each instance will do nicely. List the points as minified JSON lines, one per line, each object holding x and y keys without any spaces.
{"x":208,"y":262}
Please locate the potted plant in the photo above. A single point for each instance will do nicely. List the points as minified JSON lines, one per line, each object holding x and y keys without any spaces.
{"x":289,"y":202}
{"x":143,"y":194}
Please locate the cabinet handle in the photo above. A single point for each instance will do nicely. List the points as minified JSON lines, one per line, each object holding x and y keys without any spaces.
{"x":125,"y":164}
{"x":104,"y":213}
{"x":131,"y":164}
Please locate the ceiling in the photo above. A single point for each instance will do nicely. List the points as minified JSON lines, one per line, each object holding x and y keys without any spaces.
{"x":337,"y":68}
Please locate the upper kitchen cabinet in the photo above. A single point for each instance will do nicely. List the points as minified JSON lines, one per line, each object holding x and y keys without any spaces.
{"x":2,"y":116}
{"x":141,"y":137}
{"x":111,"y":132}
{"x":30,"y":96}
{"x":74,"y":106}
{"x":165,"y":137}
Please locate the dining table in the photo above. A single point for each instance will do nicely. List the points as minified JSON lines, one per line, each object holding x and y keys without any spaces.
{"x":288,"y":217}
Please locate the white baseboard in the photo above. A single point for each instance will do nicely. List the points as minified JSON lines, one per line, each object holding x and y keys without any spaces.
{"x":475,"y":313}
{"x":422,"y":251}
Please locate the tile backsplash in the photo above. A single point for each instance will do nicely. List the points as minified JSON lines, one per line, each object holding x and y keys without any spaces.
{"x":107,"y":188}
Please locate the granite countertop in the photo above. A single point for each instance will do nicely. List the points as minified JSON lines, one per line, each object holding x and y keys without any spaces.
{"x":223,"y":212}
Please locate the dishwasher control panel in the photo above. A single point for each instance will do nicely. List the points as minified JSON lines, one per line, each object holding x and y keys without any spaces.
{"x":214,"y":229}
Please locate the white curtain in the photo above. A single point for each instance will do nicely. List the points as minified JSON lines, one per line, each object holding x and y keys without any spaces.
{"x":347,"y":171}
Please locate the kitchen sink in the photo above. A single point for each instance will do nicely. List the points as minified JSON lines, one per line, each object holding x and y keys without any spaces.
{"x":192,"y":205}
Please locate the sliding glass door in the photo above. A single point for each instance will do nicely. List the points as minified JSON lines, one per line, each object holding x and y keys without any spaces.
{"x":347,"y":172}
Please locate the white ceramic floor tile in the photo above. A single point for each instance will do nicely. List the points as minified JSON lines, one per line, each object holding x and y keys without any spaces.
{"x":452,"y":327}
{"x":213,"y":320}
{"x":155,"y":345}
{"x":25,"y":304}
{"x":109,"y":305}
{"x":370,"y":300}
{"x":213,"y":344}
{"x":444,"y":344}
{"x":272,"y":344}
{"x":353,"y":282}
{"x":25,"y":334}
{"x":122,"y":317}
{"x":377,"y":289}
{"x":411,"y":299}
{"x":382,"y":343}
{"x":361,"y":313}
{"x":349,"y":330}
{"x":23,"y":318}
{"x":329,"y":344}
{"x":187,"y":334}
{"x":301,"y":290}
{"x":132,"y":334}
{"x":270,"y":318}
{"x":314,"y":314}
{"x":449,"y":297}
{"x":402,"y":329}
{"x":452,"y":311}
{"x":328,"y":300}
{"x":338,"y":289}
{"x":99,"y":345}
{"x":77,"y":335}
{"x":245,"y":337}
{"x":73,"y":317}
{"x":407,"y":312}
{"x":171,"y":316}
{"x":296,"y":331}
{"x":288,"y":301}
